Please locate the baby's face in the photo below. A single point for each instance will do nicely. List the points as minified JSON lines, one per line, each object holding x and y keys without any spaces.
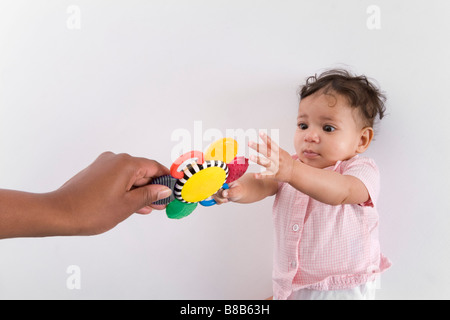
{"x":328,"y":130}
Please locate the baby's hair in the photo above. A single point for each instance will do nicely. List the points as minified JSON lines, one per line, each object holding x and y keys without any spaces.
{"x":358,"y":90}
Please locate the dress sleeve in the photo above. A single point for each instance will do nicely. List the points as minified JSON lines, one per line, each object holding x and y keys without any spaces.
{"x":367,"y":171}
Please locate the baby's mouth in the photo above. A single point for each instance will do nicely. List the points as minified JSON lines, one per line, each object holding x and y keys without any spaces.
{"x":310,"y":154}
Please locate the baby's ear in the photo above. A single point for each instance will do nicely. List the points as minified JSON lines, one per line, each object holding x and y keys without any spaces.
{"x":365,"y":138}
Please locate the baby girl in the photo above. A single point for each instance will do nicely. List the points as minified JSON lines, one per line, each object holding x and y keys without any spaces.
{"x":324,"y":215}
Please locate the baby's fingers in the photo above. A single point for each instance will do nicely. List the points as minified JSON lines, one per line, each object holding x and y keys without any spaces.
{"x":234,"y":193}
{"x":221,"y":196}
{"x":262,"y":161}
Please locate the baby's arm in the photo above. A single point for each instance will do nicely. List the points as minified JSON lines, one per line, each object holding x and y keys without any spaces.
{"x":325,"y":186}
{"x":328,"y":187}
{"x":247,"y":189}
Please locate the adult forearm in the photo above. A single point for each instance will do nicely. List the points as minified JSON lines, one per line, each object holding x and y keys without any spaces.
{"x":24,"y":214}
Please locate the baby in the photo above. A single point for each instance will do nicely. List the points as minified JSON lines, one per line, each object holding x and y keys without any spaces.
{"x":324,"y":215}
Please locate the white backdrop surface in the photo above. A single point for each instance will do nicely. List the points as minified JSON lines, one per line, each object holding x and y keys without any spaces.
{"x":81,"y":77}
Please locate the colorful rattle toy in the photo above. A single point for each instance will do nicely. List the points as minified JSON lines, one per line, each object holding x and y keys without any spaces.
{"x":198,"y":181}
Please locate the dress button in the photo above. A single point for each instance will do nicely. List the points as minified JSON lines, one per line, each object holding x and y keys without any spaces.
{"x":295,"y":227}
{"x":293,"y":264}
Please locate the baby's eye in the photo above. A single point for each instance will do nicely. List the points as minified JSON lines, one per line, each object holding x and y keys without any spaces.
{"x":328,"y":128}
{"x":303,"y":126}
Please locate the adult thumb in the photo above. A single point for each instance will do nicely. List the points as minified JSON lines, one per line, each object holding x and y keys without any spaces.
{"x":146,"y":195}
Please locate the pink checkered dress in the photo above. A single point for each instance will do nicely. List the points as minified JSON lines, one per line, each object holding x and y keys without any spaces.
{"x":323,"y":247}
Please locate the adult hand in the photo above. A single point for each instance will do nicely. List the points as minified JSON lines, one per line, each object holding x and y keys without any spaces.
{"x":95,"y":200}
{"x":111,"y":189}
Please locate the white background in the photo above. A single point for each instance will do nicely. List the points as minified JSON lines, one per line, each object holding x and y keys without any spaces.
{"x":137,"y":71}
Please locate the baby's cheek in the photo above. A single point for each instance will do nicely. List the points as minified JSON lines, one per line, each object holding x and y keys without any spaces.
{"x":297,"y":143}
{"x":340,"y":151}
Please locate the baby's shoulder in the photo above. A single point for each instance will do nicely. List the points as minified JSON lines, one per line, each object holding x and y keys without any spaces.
{"x":356,"y":162}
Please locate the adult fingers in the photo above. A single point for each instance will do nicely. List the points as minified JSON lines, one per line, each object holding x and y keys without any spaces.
{"x":140,"y":199}
{"x":145,"y":170}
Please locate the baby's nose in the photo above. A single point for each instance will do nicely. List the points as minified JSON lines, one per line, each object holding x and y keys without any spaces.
{"x":312,"y":136}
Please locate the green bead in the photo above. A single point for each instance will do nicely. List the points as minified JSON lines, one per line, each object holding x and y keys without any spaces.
{"x":177,"y":209}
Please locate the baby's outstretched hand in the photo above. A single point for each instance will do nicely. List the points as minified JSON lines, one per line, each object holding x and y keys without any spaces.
{"x":277,"y":162}
{"x":234,"y":193}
